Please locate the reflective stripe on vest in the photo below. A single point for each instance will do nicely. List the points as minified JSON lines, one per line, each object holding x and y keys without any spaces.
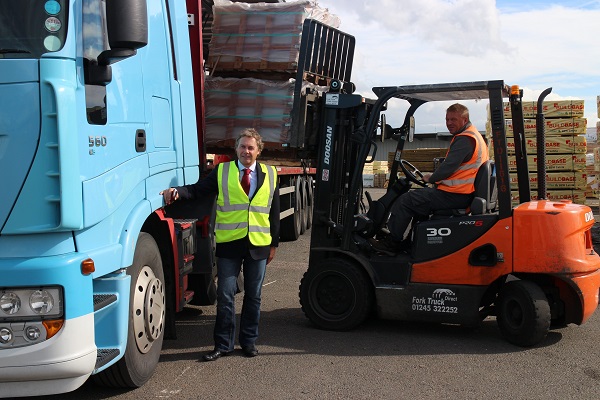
{"x":236,"y":218}
{"x":463,"y":179}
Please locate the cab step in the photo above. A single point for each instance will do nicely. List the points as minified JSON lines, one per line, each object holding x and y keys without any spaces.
{"x":104,"y":356}
{"x":103,"y":300}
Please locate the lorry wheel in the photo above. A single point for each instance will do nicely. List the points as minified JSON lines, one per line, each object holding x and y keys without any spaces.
{"x":304,"y":207}
{"x":523,"y":313}
{"x":336,"y":295}
{"x":309,"y":202}
{"x":146,"y":319}
{"x":290,"y":227}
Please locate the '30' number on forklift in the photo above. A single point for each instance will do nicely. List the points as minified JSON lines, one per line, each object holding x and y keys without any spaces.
{"x":439,"y":232}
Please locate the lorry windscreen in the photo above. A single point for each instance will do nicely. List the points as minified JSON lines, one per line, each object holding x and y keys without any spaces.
{"x":29,"y":28}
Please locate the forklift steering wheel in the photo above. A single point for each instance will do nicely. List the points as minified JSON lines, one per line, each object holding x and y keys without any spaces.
{"x":412,"y":173}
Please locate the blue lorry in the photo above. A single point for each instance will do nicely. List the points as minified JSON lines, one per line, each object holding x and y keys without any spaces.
{"x":101,"y":110}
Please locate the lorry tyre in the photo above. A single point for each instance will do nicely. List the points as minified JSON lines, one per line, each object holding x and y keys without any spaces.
{"x":290,"y":228}
{"x":523,"y":313}
{"x":336,"y":295}
{"x":309,"y":202}
{"x":146,"y":319}
{"x":304,"y":207}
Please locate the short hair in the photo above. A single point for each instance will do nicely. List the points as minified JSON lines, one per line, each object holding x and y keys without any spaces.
{"x":250,"y":133}
{"x":460,"y":109}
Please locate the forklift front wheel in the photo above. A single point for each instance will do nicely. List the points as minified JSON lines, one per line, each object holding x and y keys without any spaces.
{"x":523,"y":313}
{"x":336,"y":295}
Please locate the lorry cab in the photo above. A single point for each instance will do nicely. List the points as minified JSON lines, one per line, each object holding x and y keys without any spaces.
{"x":97,"y":118}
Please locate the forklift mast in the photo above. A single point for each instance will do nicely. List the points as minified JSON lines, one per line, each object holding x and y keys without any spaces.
{"x":343,"y":149}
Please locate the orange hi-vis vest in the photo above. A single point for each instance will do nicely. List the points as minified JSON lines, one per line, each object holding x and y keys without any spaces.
{"x":463,"y":179}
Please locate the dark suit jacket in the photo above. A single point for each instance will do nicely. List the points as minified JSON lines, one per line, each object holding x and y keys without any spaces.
{"x":237,"y":248}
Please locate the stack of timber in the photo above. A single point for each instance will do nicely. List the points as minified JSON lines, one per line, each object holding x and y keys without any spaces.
{"x":423,"y":159}
{"x":593,"y":162}
{"x":565,"y":149}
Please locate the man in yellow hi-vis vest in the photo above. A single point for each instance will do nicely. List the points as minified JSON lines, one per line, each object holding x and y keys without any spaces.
{"x":454,"y":179}
{"x":247,"y":234}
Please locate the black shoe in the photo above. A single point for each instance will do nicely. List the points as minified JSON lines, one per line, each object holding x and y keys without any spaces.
{"x":250,"y":351}
{"x":215,"y":354}
{"x":387,"y":246}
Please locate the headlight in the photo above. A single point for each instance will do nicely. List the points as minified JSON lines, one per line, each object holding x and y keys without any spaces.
{"x":10,"y":303}
{"x":29,"y":304}
{"x":29,"y":316}
{"x":41,"y":301}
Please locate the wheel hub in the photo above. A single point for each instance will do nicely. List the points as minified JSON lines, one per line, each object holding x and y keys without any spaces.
{"x":332,"y":294}
{"x":514,"y":314}
{"x":148,"y":309}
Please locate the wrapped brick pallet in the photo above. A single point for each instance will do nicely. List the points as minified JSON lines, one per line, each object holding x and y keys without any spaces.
{"x":235,"y":104}
{"x":261,"y":36}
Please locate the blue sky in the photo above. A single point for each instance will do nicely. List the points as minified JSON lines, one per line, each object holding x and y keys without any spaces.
{"x":535,"y":44}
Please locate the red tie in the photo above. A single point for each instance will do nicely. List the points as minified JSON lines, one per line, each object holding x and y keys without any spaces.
{"x":246,"y":180}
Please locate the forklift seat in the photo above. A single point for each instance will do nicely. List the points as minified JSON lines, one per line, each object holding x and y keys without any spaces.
{"x":486,"y":192}
{"x":485,"y":197}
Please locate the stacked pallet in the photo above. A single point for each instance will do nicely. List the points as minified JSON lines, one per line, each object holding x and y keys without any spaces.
{"x":375,"y":174}
{"x":381,"y":173}
{"x":233,"y":104}
{"x":565,"y":149}
{"x":593,"y":163}
{"x":252,"y":62}
{"x":260,"y":37}
{"x":368,"y":176}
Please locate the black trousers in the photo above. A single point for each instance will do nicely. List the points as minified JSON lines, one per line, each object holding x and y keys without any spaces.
{"x":421,"y":203}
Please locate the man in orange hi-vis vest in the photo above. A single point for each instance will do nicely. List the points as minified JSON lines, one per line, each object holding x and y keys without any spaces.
{"x":454,"y":180}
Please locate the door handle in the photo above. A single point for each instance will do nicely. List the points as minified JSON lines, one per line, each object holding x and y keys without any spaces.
{"x":140,"y":140}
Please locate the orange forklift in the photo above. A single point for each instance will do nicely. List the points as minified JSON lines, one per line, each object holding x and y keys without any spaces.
{"x":531,"y":265}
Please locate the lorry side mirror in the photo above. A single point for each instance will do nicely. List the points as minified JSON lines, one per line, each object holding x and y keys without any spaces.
{"x":127,"y":26}
{"x":96,"y":74}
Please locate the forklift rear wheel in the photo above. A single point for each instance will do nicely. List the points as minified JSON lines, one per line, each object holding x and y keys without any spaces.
{"x":336,"y":295}
{"x":523,"y":313}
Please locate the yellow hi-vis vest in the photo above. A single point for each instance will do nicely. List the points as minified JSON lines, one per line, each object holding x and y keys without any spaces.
{"x":463,"y":179}
{"x":237,"y":217}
